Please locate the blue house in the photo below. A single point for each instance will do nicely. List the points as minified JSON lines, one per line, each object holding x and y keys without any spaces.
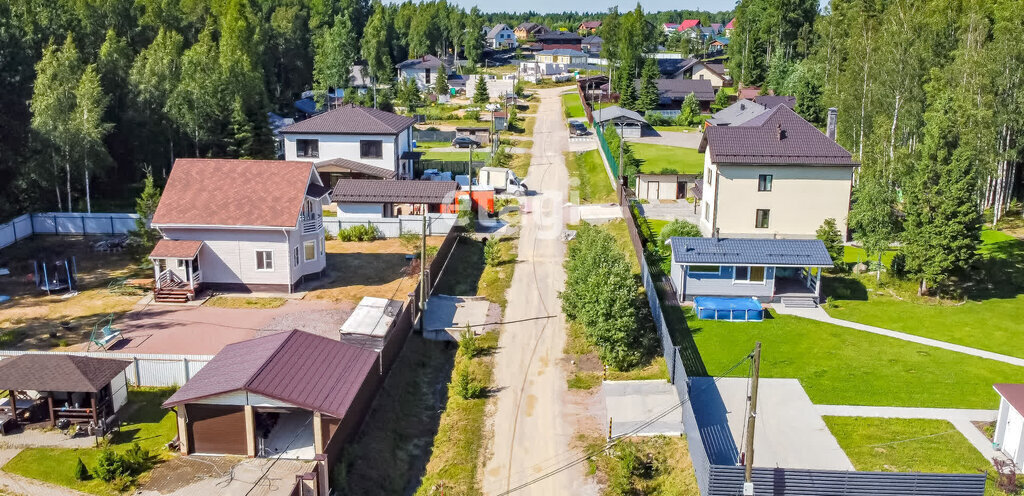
{"x":766,"y":269}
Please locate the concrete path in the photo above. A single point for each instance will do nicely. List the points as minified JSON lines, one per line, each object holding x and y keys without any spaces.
{"x":633,"y":403}
{"x":820,"y":314}
{"x":532,"y":424}
{"x":961,"y":418}
{"x":790,"y":431}
{"x":671,"y":210}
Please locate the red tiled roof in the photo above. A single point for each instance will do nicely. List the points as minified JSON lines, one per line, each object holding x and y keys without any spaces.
{"x":590,"y":24}
{"x":748,"y":92}
{"x":731,"y":24}
{"x":1013,"y":394}
{"x":397,"y":191}
{"x":229,"y":192}
{"x":170,"y":248}
{"x":687,"y":24}
{"x":778,"y":136}
{"x":303,"y":369}
{"x":39,"y":372}
{"x":351,"y":119}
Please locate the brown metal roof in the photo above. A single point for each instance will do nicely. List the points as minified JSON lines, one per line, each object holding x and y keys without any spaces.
{"x":778,"y":136}
{"x":670,"y":90}
{"x":171,"y":248}
{"x":772,"y":101}
{"x":346,"y":165}
{"x":351,"y":119}
{"x":300,"y":368}
{"x":399,"y":191}
{"x":70,"y":373}
{"x":1013,"y":394}
{"x":228,"y":192}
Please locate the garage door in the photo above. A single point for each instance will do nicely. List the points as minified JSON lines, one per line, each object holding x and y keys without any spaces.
{"x":216,"y":429}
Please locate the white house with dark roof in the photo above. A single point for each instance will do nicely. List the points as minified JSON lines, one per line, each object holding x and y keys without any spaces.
{"x":246,"y":225}
{"x":501,"y":36}
{"x":739,"y":112}
{"x":353,"y":142}
{"x":425,"y":70}
{"x":773,"y":176}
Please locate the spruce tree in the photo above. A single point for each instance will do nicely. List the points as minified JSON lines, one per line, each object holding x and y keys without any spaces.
{"x":441,"y":86}
{"x":649,"y":86}
{"x":240,"y":136}
{"x":480,"y":95}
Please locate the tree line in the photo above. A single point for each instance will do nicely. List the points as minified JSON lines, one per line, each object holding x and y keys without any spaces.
{"x":96,"y":93}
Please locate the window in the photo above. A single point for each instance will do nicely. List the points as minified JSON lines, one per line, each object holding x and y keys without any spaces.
{"x":307,"y":148}
{"x":707,"y":174}
{"x":295,"y":256}
{"x":181,"y":263}
{"x":749,"y":274}
{"x":310,"y":248}
{"x":703,"y":269}
{"x":761,"y":220}
{"x":764,"y":182}
{"x":426,"y":73}
{"x":371,"y":149}
{"x":264,"y":260}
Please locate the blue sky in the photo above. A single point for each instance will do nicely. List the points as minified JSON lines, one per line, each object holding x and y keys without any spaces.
{"x":546,"y":6}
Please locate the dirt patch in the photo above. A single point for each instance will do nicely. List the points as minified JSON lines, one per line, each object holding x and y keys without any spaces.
{"x":182,"y":472}
{"x":30,"y":320}
{"x":368,"y":268}
{"x":986,"y":428}
{"x":326,"y":323}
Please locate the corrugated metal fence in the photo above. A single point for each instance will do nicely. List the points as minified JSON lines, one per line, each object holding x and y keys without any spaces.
{"x":393,"y":227}
{"x":63,"y":223}
{"x":727,"y":480}
{"x":146,"y":369}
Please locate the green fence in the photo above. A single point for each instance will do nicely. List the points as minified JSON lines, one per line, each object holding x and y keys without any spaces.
{"x":607,"y":151}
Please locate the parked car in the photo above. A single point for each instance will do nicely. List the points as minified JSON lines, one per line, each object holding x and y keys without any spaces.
{"x":465,"y":142}
{"x":577,"y":128}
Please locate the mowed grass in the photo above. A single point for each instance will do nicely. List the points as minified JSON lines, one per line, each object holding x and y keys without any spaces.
{"x":906,"y":445}
{"x":842,"y":366}
{"x":573,"y":106}
{"x":988,"y":323}
{"x":146,"y":423}
{"x":244,"y":302}
{"x":665,"y":159}
{"x":588,"y":178}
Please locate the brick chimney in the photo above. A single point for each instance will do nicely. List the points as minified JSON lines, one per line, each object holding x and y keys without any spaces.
{"x":833,"y":118}
{"x":782,"y":132}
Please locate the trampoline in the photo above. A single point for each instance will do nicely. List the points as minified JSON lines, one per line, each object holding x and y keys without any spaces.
{"x":731,"y":309}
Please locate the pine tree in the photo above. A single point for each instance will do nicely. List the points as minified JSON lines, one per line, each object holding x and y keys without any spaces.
{"x":441,"y":85}
{"x":480,"y":94}
{"x":376,"y":45}
{"x":829,"y":234}
{"x":649,"y":86}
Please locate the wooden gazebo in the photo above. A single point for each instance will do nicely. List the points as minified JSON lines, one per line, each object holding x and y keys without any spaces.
{"x":78,"y":388}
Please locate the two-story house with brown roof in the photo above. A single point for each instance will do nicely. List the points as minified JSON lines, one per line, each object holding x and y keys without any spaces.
{"x":353,"y":142}
{"x":773,"y":176}
{"x":245,"y":225}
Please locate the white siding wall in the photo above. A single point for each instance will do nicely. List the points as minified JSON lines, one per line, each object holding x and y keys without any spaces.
{"x":119,"y":390}
{"x":241,"y":397}
{"x":229,"y":255}
{"x":297,"y":239}
{"x":347,"y":146}
{"x":360,"y":209}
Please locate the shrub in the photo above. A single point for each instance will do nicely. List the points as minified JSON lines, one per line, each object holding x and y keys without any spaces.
{"x":473,"y":115}
{"x":898,"y":265}
{"x":657,"y":119}
{"x":465,"y":386}
{"x":110,"y":466}
{"x":492,"y":252}
{"x":677,"y":228}
{"x":329,"y":237}
{"x":359,"y":233}
{"x":468,"y":344}
{"x":829,"y":234}
{"x":81,"y":473}
{"x":136,"y":459}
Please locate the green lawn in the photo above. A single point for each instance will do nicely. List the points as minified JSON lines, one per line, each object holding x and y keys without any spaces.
{"x":618,"y":229}
{"x":432,"y":144}
{"x":991,"y":322}
{"x":838,"y":365}
{"x":905,"y":445}
{"x":676,"y":129}
{"x":588,"y":178}
{"x":147,"y":424}
{"x":856,"y":254}
{"x":668,"y":159}
{"x":573,"y":106}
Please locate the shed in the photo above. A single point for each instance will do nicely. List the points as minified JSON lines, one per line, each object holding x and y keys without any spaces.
{"x":500,"y":120}
{"x":629,"y":124}
{"x":654,"y":187}
{"x":387,"y":198}
{"x":481,"y":134}
{"x":77,"y":388}
{"x":1009,"y":435}
{"x":370,"y":322}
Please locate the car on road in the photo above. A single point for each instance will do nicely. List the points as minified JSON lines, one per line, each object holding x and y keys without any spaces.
{"x":577,"y":128}
{"x":465,"y":142}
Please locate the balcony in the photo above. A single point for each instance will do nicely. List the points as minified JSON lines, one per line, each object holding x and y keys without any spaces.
{"x":311,"y":223}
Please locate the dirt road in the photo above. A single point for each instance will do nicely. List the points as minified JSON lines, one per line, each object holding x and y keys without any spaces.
{"x":532,"y":422}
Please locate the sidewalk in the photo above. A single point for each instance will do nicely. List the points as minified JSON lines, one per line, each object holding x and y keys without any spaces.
{"x":819,"y":314}
{"x":960,"y":418}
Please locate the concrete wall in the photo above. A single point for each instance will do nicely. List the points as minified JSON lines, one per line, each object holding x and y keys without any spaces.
{"x":347,"y":146}
{"x":802,"y":197}
{"x":495,"y":87}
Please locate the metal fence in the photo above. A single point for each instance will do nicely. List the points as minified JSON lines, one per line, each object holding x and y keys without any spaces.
{"x":393,"y":227}
{"x":145,"y":370}
{"x":456,"y":167}
{"x":62,"y":223}
{"x":607,"y":152}
{"x":426,"y":135}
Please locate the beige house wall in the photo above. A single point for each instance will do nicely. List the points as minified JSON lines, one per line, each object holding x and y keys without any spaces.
{"x":704,"y":73}
{"x":802,"y":197}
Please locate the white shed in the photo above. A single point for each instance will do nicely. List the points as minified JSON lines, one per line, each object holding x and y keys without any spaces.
{"x":1009,"y":436}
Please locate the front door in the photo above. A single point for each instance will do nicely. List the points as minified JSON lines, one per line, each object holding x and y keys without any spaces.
{"x":653,"y":188}
{"x":681,"y":190}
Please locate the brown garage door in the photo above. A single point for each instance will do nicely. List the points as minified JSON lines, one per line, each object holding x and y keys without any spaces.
{"x":217,"y":429}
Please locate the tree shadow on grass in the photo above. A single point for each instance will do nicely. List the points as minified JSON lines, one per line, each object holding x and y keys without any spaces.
{"x":843,"y":288}
{"x":462,"y":274}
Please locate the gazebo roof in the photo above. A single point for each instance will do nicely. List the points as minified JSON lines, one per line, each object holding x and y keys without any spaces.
{"x":45,"y":372}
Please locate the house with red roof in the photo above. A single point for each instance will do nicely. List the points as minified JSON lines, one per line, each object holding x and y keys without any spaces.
{"x":689,"y":27}
{"x":729,"y":27}
{"x":238,"y":225}
{"x":588,"y":27}
{"x":773,"y":176}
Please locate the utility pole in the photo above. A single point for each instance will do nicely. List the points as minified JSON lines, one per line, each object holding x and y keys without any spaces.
{"x":748,"y":483}
{"x":423,"y":266}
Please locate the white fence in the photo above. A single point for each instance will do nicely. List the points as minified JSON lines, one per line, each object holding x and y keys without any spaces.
{"x":393,"y":227}
{"x":145,"y":370}
{"x":64,"y":223}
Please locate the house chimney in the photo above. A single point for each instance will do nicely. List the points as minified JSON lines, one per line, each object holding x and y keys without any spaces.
{"x":833,"y":118}
{"x":782,"y":132}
